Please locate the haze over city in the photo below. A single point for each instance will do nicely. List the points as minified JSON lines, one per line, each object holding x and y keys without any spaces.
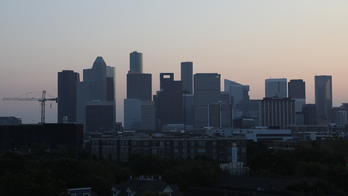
{"x":244,"y":41}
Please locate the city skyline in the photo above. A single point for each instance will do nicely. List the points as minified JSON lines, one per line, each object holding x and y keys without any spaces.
{"x":244,"y":42}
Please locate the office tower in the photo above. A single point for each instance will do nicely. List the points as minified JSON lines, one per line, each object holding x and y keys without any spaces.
{"x":148,"y":115}
{"x":187,"y":76}
{"x":323,"y":95}
{"x":94,"y":94}
{"x":309,"y":114}
{"x":341,"y":117}
{"x":277,"y":113}
{"x":236,"y":91}
{"x":220,"y":115}
{"x":139,"y":86}
{"x":206,"y":91}
{"x":169,"y":101}
{"x":132,"y":114}
{"x":297,"y":89}
{"x":188,"y":108}
{"x":250,"y":109}
{"x":67,"y":80}
{"x":136,"y":62}
{"x":276,"y":88}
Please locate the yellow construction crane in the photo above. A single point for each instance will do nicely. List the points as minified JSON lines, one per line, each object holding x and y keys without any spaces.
{"x":42,"y":101}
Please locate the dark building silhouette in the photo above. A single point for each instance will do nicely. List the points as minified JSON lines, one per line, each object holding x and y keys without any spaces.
{"x":136,"y":62}
{"x":309,"y":114}
{"x":297,"y":89}
{"x":10,"y":120}
{"x":206,"y":91}
{"x":13,"y":137}
{"x":323,"y":95}
{"x":187,"y":76}
{"x":139,"y":86}
{"x":99,"y":116}
{"x":220,"y":115}
{"x":169,"y":101}
{"x":67,"y":80}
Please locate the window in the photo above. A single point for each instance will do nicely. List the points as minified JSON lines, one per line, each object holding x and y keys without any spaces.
{"x":221,"y":147}
{"x":168,"y":152}
{"x":244,"y":158}
{"x":86,"y":194}
{"x":221,"y":155}
{"x":229,"y":143}
{"x":243,"y":150}
{"x":192,"y":143}
{"x":176,"y":143}
{"x":161,"y":152}
{"x":214,"y":143}
{"x":229,"y":150}
{"x":154,"y":151}
{"x":146,"y":143}
{"x":214,"y":150}
{"x":201,"y":150}
{"x":161,"y":143}
{"x":229,"y":158}
{"x":121,"y":143}
{"x":243,"y":143}
{"x":176,"y":151}
{"x":201,"y":143}
{"x":134,"y":143}
{"x":146,"y":151}
{"x":167,"y":143}
{"x":214,"y":157}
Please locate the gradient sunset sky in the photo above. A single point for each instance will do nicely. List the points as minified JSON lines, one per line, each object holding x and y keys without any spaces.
{"x":244,"y":41}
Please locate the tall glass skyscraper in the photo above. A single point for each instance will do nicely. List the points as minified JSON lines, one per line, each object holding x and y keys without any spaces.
{"x":276,"y":88}
{"x":207,"y":91}
{"x":323,"y":95}
{"x":136,"y":62}
{"x":187,"y":76}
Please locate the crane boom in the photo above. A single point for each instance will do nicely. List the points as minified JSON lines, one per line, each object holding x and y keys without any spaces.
{"x":42,"y":101}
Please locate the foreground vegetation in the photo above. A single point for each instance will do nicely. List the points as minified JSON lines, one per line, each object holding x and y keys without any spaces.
{"x":327,"y":164}
{"x":52,"y":173}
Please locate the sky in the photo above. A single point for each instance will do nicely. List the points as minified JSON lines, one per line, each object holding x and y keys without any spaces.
{"x":244,"y":41}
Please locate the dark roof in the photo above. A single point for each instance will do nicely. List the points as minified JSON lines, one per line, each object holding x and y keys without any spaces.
{"x":143,"y":185}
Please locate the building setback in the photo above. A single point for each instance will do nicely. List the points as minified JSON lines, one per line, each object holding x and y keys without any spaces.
{"x":67,"y":80}
{"x":206,"y":91}
{"x":277,"y":112}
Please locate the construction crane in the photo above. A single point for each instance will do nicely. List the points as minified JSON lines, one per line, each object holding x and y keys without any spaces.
{"x":42,"y":101}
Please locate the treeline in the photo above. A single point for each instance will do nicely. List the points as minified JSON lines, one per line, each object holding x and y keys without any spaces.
{"x":51,"y":173}
{"x":328,"y":164}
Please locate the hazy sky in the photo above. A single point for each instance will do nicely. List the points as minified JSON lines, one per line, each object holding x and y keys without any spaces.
{"x":244,"y":41}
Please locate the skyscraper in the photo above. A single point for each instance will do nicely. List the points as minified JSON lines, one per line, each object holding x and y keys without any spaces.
{"x":323,"y":95}
{"x":187,"y":76}
{"x":96,"y":95}
{"x":67,"y":80}
{"x":297,"y":89}
{"x":206,"y":91}
{"x":169,"y":101}
{"x":236,"y":91}
{"x":136,"y":62}
{"x":139,"y":86}
{"x":276,"y":88}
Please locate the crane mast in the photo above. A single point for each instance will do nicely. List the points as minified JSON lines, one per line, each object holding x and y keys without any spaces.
{"x":42,"y":101}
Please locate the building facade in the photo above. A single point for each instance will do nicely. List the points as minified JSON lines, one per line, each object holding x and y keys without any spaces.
{"x":323,"y":95}
{"x":139,"y":86}
{"x":206,"y":91}
{"x":187,"y":76}
{"x":67,"y":80}
{"x":276,"y":88}
{"x":309,"y":114}
{"x":277,"y":113}
{"x":132,"y":114}
{"x":217,"y":148}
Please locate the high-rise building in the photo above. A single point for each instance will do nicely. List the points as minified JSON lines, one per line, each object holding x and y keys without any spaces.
{"x":187,"y":76}
{"x":220,"y":115}
{"x":139,"y":86}
{"x":148,"y":115}
{"x":67,"y":80}
{"x":297,"y":89}
{"x":323,"y":95}
{"x":277,"y":113}
{"x":96,"y":92}
{"x":236,"y":91}
{"x":309,"y":114}
{"x":132,"y":114}
{"x":169,"y":101}
{"x":136,"y":62}
{"x":206,"y":91}
{"x":276,"y":88}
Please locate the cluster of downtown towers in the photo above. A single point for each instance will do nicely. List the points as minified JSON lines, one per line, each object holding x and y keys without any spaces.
{"x":196,"y":100}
